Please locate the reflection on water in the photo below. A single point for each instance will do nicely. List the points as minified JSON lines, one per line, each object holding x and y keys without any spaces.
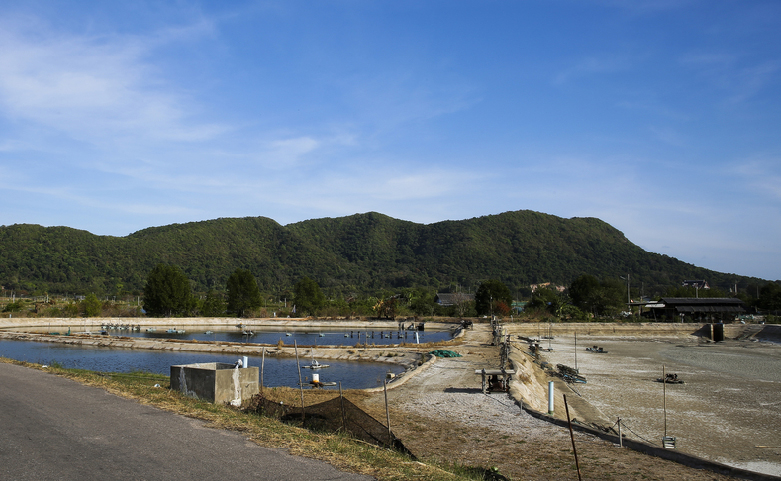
{"x":277,"y":371}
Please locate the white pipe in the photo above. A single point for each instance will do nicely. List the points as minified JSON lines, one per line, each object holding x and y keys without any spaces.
{"x":550,"y":397}
{"x":246,"y":362}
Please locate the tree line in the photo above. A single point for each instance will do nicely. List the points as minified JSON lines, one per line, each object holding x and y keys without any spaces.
{"x":168,"y":292}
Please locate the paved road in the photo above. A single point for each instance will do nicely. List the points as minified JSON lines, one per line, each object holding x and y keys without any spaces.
{"x":54,"y":428}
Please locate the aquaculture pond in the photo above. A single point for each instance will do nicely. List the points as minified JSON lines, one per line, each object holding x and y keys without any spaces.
{"x":277,"y":371}
{"x":309,"y":337}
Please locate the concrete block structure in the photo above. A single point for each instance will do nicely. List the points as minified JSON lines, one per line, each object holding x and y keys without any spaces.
{"x":216,"y":382}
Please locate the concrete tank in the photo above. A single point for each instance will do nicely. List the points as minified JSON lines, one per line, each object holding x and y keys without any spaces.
{"x":216,"y":382}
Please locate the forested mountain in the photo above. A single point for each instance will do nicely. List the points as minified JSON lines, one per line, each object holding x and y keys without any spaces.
{"x":362,"y":253}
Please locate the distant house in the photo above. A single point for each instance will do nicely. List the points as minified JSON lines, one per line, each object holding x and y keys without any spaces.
{"x":447,"y":299}
{"x":693,"y":309}
{"x":703,"y":284}
{"x":548,"y":285}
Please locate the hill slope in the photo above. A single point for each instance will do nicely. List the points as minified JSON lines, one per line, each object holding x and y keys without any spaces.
{"x":358,"y":253}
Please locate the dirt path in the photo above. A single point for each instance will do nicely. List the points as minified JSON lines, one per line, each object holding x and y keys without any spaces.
{"x":441,"y":413}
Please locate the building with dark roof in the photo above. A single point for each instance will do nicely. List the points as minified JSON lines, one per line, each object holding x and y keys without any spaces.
{"x":704,"y":309}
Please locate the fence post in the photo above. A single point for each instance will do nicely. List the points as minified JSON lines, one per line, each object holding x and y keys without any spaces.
{"x":387,"y":412}
{"x":300,"y":382}
{"x":341,"y":401}
{"x":572,"y":437}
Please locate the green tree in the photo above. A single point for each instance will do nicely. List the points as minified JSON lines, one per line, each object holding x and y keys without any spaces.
{"x":770,"y":296}
{"x":308,"y":296}
{"x":489,"y":294}
{"x":167,"y":292}
{"x":584,"y":292}
{"x":598,"y":298}
{"x":91,"y":305}
{"x":421,"y":302}
{"x":243,"y":292}
{"x":212,"y":306}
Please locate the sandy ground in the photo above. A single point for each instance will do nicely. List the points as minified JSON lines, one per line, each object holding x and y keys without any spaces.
{"x":729,"y":409}
{"x":441,"y":413}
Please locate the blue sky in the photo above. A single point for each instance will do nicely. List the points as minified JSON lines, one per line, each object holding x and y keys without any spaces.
{"x":660,"y":117}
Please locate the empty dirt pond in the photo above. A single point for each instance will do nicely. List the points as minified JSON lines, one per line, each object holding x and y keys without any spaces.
{"x":727,"y":411}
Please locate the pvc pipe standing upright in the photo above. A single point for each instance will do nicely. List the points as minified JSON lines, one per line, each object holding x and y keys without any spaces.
{"x":550,"y":397}
{"x":246,"y":362}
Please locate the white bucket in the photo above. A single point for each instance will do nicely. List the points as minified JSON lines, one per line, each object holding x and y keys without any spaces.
{"x":315,"y":377}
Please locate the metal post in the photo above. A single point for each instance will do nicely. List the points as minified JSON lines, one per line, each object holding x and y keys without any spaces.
{"x":387,"y":412}
{"x":550,"y":398}
{"x":576,"y":350}
{"x":300,"y":382}
{"x":262,"y":368}
{"x":620,"y":438}
{"x":341,"y":401}
{"x":664,"y":400}
{"x":572,"y":437}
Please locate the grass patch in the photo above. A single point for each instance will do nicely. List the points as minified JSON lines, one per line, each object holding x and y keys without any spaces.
{"x":339,"y":450}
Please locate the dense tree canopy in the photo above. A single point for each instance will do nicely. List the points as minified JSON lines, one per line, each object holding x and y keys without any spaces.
{"x":770,"y":296}
{"x":492,"y":297}
{"x":213,"y":305}
{"x":243,"y":292}
{"x":308,"y":296}
{"x":92,"y":305}
{"x":598,"y":297}
{"x":167,"y":292}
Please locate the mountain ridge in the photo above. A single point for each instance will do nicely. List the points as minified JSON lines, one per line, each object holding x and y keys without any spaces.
{"x":351,"y":254}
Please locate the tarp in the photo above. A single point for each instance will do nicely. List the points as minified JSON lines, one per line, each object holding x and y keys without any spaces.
{"x":445,"y":353}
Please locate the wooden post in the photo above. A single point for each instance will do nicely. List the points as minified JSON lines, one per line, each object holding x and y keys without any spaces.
{"x":300,"y":382}
{"x":262,"y":368}
{"x":572,"y":437}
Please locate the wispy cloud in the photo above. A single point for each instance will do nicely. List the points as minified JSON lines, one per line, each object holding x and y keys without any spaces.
{"x":92,"y":88}
{"x":736,"y":76}
{"x":761,"y":175}
{"x":591,"y":65}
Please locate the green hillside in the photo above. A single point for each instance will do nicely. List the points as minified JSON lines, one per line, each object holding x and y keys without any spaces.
{"x":362,"y":253}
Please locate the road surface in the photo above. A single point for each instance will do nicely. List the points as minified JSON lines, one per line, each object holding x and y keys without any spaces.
{"x":55,"y":428}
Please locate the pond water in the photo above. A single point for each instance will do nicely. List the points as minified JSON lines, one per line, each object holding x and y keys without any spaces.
{"x":313,"y":337}
{"x":310,"y":337}
{"x":277,"y":371}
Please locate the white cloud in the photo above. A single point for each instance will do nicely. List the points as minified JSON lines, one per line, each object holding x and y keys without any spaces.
{"x":93,"y":89}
